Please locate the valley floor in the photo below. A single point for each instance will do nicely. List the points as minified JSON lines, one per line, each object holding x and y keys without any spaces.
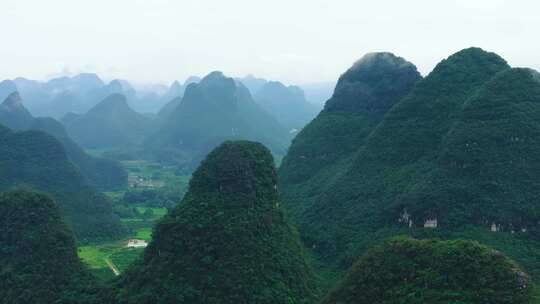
{"x":105,"y":259}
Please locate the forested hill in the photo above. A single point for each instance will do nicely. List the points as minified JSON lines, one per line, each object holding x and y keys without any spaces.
{"x":38,"y":256}
{"x":105,"y":174}
{"x":458,"y":155}
{"x":325,"y":147}
{"x":13,"y":114}
{"x":212,"y":111}
{"x":35,"y":160}
{"x":286,"y":103}
{"x":405,"y":270}
{"x":226,"y":242}
{"x":110,"y":124}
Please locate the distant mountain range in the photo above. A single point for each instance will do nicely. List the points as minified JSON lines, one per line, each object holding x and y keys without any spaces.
{"x":199,"y":115}
{"x":37,"y":161}
{"x":287,"y":104}
{"x":102,"y":173}
{"x":216,"y":109}
{"x":81,"y":92}
{"x":110,"y":123}
{"x":13,"y":114}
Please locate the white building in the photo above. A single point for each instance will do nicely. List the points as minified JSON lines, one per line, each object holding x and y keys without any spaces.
{"x":431,"y":223}
{"x":134,"y":243}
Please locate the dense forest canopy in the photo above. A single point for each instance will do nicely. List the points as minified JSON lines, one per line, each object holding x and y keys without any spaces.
{"x":325,"y":147}
{"x":37,"y":161}
{"x":456,"y":155}
{"x":405,"y":270}
{"x":227,"y":242}
{"x":451,"y":159}
{"x":38,"y":257}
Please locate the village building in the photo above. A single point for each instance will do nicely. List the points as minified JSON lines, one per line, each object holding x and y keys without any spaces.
{"x":135,"y":243}
{"x":431,"y":223}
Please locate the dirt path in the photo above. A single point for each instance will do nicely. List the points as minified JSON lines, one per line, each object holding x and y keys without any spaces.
{"x":112,"y":267}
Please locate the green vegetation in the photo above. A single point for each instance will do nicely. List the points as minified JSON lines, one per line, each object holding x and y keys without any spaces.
{"x":122,"y":259}
{"x":153,"y":184}
{"x":325,"y":147}
{"x":287,"y":104}
{"x":452,"y":159}
{"x":38,"y":259}
{"x":98,"y":255}
{"x":405,"y":270}
{"x":227,"y":242}
{"x":13,"y":114}
{"x":105,"y":174}
{"x":214,"y":110}
{"x":102,"y":173}
{"x":109,"y":124}
{"x":460,"y":148}
{"x":35,"y":160}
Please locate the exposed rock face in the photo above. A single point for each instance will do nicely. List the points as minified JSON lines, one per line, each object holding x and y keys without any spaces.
{"x":226,"y":242}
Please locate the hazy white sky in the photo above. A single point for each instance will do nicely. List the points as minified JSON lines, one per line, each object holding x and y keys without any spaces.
{"x":297,"y":41}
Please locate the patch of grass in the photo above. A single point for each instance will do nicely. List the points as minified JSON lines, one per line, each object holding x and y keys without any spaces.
{"x":158,"y":212}
{"x":114,"y":195}
{"x":144,"y":234}
{"x":124,"y":257}
{"x":95,"y":255}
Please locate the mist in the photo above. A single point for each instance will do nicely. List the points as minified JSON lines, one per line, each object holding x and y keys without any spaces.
{"x":296,"y":42}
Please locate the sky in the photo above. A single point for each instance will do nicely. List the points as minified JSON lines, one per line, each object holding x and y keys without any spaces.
{"x":295,"y":41}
